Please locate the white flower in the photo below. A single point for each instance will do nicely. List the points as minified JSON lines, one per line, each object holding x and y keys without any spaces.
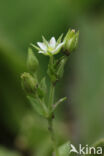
{"x":49,"y":48}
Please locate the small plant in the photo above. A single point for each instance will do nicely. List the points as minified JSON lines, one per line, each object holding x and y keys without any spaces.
{"x":36,"y":90}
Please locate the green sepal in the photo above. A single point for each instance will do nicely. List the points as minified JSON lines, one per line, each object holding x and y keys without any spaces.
{"x":34,"y":46}
{"x":59,"y":39}
{"x":45,"y":41}
{"x":60,"y":67}
{"x":71,"y":41}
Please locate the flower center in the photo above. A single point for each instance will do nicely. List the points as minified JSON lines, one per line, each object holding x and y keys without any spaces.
{"x":50,"y":49}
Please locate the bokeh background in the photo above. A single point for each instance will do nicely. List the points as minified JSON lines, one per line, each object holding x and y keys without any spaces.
{"x":81,"y":118}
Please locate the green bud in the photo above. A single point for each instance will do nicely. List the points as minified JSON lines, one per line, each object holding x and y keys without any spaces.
{"x":71,"y":41}
{"x":32,"y":61}
{"x":29,"y":83}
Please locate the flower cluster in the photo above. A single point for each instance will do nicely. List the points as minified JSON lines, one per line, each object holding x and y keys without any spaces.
{"x":53,"y":47}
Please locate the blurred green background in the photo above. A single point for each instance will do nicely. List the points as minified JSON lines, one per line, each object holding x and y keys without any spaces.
{"x":81,"y":118}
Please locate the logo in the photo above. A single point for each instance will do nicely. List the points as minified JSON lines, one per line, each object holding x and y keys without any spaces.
{"x":86,"y":149}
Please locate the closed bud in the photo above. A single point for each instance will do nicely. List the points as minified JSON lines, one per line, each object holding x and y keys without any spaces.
{"x":71,"y":41}
{"x":32,"y":61}
{"x":29,"y":83}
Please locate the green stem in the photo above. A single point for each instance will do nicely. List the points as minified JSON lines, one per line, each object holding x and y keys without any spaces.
{"x":51,"y":97}
{"x":52,"y":89}
{"x":52,"y":135}
{"x":51,"y":116}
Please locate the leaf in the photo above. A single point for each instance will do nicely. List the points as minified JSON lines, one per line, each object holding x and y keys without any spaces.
{"x":64,"y":149}
{"x":36,"y":105}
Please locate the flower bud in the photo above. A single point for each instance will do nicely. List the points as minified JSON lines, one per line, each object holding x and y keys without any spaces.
{"x":71,"y":41}
{"x":32,"y":61}
{"x":29,"y":83}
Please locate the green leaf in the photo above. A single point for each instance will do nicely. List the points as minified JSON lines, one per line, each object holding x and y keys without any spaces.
{"x":64,"y":149}
{"x":36,"y":105}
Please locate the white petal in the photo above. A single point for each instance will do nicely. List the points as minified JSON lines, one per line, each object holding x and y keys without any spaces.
{"x":42,"y":46}
{"x":58,"y":48}
{"x":43,"y":52}
{"x":52,"y":42}
{"x":40,"y":51}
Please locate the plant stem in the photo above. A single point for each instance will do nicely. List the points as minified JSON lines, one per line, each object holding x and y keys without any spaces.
{"x":51,"y":115}
{"x":50,"y":120}
{"x":51,"y":96}
{"x":52,"y":135}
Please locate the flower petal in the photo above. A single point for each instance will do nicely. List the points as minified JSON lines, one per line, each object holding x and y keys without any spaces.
{"x":58,"y":48}
{"x":43,"y":52}
{"x":42,"y":46}
{"x":52,"y":43}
